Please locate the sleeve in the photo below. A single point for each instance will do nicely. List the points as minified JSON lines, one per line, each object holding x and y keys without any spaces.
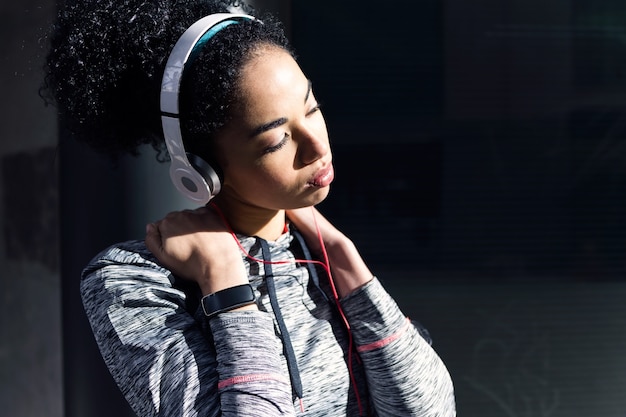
{"x":404,"y":374}
{"x":163,"y":361}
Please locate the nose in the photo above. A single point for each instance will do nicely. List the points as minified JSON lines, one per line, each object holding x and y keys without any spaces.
{"x":312,"y":144}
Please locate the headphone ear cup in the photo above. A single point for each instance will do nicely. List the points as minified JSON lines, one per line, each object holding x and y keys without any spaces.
{"x":195,"y":179}
{"x":207,"y":172}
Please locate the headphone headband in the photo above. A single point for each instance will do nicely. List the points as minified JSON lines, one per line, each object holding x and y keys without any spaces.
{"x":204,"y":185}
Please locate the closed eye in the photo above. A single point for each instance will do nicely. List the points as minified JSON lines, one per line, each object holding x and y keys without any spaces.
{"x":315,"y":109}
{"x":278,"y":146}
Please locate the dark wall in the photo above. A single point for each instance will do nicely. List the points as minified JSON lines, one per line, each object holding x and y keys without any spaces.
{"x":30,"y":319}
{"x":480,"y":153}
{"x":491,"y":133}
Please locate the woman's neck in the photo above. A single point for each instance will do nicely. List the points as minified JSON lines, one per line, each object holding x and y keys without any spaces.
{"x":251,"y":220}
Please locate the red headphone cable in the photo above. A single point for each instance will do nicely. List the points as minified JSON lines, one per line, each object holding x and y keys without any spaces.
{"x":326,"y":266}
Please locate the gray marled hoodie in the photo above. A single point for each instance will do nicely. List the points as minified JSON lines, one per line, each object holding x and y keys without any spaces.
{"x":169,"y":360}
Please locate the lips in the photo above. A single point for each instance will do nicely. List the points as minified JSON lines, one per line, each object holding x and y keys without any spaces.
{"x":323,"y":177}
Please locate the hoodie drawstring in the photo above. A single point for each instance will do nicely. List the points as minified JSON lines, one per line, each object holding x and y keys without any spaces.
{"x":292,"y":365}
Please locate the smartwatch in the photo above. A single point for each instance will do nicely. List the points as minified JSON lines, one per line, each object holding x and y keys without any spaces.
{"x":228,"y":299}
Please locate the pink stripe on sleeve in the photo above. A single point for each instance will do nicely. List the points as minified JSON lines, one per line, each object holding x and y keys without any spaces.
{"x":251,"y":378}
{"x":384,"y":342}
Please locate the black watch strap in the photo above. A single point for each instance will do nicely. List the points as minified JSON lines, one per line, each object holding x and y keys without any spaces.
{"x":228,"y":299}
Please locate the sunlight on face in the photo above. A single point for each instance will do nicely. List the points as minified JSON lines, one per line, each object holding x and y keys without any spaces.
{"x":275,"y":152}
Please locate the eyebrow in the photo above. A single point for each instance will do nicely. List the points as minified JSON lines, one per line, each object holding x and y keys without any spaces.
{"x":278,"y":122}
{"x":268,"y":126}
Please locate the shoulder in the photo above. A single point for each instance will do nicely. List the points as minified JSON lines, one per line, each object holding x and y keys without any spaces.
{"x":128,"y":274}
{"x":131,"y":253}
{"x":127,"y":259}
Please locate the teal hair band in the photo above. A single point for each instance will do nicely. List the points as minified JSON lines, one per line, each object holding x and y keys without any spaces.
{"x":208,"y":35}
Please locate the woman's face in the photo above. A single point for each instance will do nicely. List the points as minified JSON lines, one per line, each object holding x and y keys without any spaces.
{"x":275,"y":152}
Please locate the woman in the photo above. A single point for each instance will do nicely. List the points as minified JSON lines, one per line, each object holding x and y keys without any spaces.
{"x":253,"y":304}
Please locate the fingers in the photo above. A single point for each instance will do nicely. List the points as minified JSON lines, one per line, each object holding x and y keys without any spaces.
{"x":178,"y":224}
{"x":302,"y":216}
{"x":306,"y":219}
{"x":313,"y":226}
{"x":153,"y":239}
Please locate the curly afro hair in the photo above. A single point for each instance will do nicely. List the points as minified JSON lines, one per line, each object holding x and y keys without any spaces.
{"x":107,"y":57}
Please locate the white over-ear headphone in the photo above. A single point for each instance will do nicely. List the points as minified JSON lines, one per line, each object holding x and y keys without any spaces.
{"x":191,"y":175}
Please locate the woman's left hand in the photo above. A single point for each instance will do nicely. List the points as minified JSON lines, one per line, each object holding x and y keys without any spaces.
{"x":308,"y":220}
{"x":348,"y":268}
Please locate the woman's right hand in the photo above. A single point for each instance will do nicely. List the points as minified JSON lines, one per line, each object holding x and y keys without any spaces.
{"x":197,"y":246}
